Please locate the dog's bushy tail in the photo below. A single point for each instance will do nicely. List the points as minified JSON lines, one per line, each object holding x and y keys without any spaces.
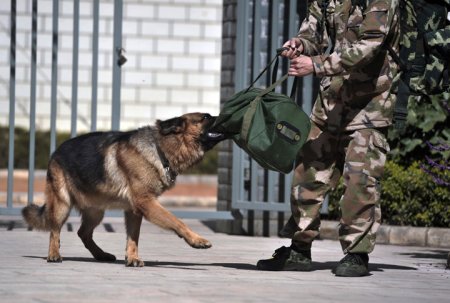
{"x":35,"y":216}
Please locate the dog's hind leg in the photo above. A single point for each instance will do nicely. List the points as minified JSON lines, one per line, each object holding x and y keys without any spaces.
{"x":56,"y":210}
{"x":57,"y":216}
{"x":133,"y":227}
{"x":154,"y":212}
{"x":90,"y":218}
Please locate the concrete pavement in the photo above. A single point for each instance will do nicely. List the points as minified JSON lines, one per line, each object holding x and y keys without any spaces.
{"x":174,"y":272}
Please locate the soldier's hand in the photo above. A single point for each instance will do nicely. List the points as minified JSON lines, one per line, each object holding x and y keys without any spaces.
{"x":301,"y":66}
{"x":294,"y":48}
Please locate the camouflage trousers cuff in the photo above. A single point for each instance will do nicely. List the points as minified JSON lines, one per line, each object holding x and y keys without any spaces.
{"x":301,"y":245}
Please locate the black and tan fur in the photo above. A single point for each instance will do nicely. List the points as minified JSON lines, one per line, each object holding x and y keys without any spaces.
{"x":125,"y":170}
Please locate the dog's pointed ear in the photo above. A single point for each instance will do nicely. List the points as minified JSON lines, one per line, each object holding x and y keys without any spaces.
{"x":170,"y":126}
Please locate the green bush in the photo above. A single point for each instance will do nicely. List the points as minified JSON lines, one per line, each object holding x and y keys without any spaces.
{"x":21,"y":147}
{"x":427,"y":122}
{"x":409,"y":196}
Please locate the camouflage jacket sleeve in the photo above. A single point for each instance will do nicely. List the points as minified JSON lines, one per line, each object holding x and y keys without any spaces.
{"x":372,"y":33}
{"x":309,"y":33}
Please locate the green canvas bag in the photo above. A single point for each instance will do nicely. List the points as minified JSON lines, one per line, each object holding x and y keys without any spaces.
{"x":269,"y":126}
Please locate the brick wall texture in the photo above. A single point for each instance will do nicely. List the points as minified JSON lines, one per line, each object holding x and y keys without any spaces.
{"x":227,"y":89}
{"x":173,"y":49}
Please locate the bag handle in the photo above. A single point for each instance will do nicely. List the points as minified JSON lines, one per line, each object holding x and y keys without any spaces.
{"x":274,"y":75}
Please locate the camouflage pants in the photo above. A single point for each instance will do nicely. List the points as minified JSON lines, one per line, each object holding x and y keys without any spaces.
{"x":359,"y":157}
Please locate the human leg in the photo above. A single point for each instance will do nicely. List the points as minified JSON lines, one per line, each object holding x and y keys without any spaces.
{"x":319,"y":170}
{"x":361,"y":214}
{"x":313,"y":177}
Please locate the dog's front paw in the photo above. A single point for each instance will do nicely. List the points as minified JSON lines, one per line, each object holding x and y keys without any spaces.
{"x":199,"y":242}
{"x":133,"y":262}
{"x":54,"y":258}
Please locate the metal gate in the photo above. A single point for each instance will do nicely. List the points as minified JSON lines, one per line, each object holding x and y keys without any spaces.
{"x":9,"y":209}
{"x":118,"y":59}
{"x":263,"y":26}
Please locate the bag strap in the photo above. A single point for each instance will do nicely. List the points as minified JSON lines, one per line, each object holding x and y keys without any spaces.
{"x":274,"y":77}
{"x":248,"y":117}
{"x":273,"y":85}
{"x":274,"y":71}
{"x":401,"y":105}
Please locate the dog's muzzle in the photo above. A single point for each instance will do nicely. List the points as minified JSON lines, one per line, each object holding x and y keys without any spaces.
{"x":212,"y":137}
{"x":212,"y":134}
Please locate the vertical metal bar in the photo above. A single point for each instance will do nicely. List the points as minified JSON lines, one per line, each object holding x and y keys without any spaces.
{"x":237,"y":182}
{"x":274,"y":44}
{"x":274,"y":27}
{"x":12,"y":104}
{"x":94,"y":65}
{"x":256,"y":48}
{"x":256,"y":66}
{"x":239,"y":83}
{"x":256,"y":39}
{"x":32,"y":146}
{"x":292,"y":30}
{"x":54,"y":92}
{"x":74,"y":113}
{"x":292,"y":18}
{"x":117,"y":46}
{"x":307,"y":93}
{"x":241,"y":77}
{"x":271,"y":185}
{"x":307,"y":81}
{"x":287,"y":186}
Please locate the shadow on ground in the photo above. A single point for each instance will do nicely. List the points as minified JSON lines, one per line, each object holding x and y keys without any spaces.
{"x":240,"y":266}
{"x":432,"y":254}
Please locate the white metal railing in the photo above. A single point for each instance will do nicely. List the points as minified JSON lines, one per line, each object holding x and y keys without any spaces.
{"x":9,"y":209}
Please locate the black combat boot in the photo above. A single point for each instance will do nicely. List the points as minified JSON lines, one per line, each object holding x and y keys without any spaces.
{"x":353,"y":265}
{"x":286,"y":258}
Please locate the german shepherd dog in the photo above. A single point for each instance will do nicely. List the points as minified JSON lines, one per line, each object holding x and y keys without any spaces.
{"x":125,"y":170}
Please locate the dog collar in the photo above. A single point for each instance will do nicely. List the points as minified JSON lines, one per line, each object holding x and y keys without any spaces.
{"x":170,"y":173}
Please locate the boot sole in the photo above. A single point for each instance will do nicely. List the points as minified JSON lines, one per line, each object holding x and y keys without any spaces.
{"x":297,"y":267}
{"x":350,"y":272}
{"x":287,"y":267}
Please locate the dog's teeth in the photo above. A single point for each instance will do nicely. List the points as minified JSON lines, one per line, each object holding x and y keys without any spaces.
{"x":213,"y":135}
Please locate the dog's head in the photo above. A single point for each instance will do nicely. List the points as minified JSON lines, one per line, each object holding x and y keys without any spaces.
{"x":195,"y":127}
